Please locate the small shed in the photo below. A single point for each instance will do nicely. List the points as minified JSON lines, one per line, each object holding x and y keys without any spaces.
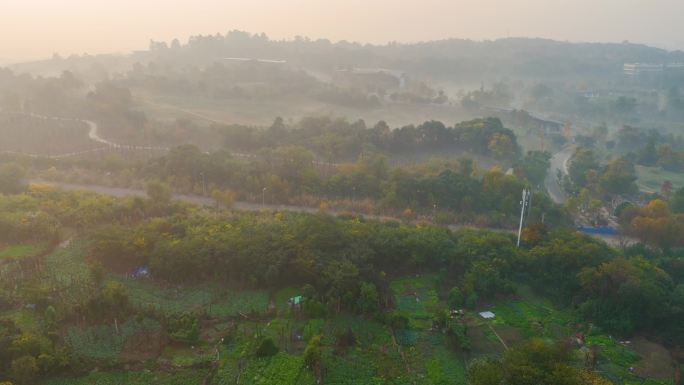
{"x":487,"y":314}
{"x":295,"y":302}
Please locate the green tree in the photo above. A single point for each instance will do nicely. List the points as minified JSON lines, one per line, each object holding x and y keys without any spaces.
{"x":619,"y":177}
{"x":625,"y":105}
{"x":368,"y":301}
{"x":648,"y":156}
{"x":50,"y":317}
{"x":581,"y":163}
{"x":534,"y":166}
{"x":159,"y":192}
{"x":626,"y":295}
{"x":312,"y":352}
{"x":11,"y":179}
{"x":677,"y":201}
{"x":455,"y":299}
{"x":223,"y":198}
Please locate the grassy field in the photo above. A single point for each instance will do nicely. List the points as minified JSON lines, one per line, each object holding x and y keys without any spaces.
{"x":106,"y":342}
{"x":651,"y":178}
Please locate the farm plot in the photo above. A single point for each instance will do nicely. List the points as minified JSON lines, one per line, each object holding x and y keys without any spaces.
{"x":445,"y":368}
{"x":350,"y":368}
{"x":232,"y":303}
{"x":531,"y":319}
{"x":170,"y":301}
{"x":210,"y":299}
{"x":237,"y":360}
{"x":655,"y":361}
{"x":67,"y":266}
{"x":283,"y":368}
{"x":67,"y":274}
{"x":370,"y":357}
{"x":105,"y":342}
{"x":417,"y":298}
{"x":429,"y":359}
{"x":185,"y":356}
{"x":431,"y":362}
{"x":483,"y":340}
{"x":182,"y":377}
{"x":615,"y":360}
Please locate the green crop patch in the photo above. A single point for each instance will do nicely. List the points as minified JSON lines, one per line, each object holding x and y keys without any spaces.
{"x":234,"y":303}
{"x":283,"y":368}
{"x":167,"y":300}
{"x":416,"y":297}
{"x":533,"y":319}
{"x":216,"y":302}
{"x":445,"y":368}
{"x":67,"y":267}
{"x":105,"y":342}
{"x":615,"y":360}
{"x":350,"y":369}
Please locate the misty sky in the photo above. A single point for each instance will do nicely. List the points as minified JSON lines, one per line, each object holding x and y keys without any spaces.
{"x":37,"y":28}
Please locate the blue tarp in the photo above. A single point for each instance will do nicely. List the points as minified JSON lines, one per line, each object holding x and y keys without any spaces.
{"x":598,"y":230}
{"x":141,"y":272}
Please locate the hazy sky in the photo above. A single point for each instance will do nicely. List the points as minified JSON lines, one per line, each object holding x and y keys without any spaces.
{"x":37,"y":28}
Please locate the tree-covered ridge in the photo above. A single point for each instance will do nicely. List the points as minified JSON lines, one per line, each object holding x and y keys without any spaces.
{"x":453,"y":59}
{"x":338,"y":139}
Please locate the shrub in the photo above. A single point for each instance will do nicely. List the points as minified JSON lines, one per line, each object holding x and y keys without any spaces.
{"x":471,"y":301}
{"x":312,"y":353}
{"x":267,"y":348}
{"x":345,"y":338}
{"x":455,"y":298}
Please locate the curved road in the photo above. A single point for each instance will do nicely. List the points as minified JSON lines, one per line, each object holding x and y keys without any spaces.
{"x":559,"y":161}
{"x":93,"y":134}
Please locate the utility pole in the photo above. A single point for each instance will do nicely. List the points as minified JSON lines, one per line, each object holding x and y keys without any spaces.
{"x":523,"y":203}
{"x":353,"y":197}
{"x":204,"y":184}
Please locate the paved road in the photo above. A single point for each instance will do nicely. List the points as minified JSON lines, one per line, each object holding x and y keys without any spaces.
{"x":93,"y":134}
{"x":559,"y":161}
{"x":243,"y":206}
{"x":247,"y":206}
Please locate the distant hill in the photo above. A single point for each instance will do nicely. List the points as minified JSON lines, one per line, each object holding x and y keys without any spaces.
{"x":456,"y":60}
